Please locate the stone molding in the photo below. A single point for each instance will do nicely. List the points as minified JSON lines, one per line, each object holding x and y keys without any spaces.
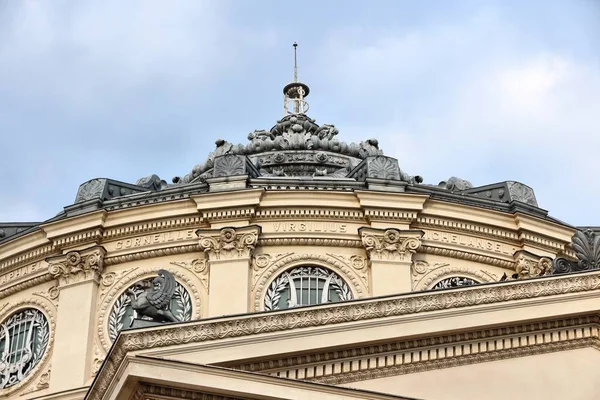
{"x":446,"y":271}
{"x":78,"y":266}
{"x":143,"y":255}
{"x":229,"y":243}
{"x":267,"y":267}
{"x":144,"y":227}
{"x":330,"y":213}
{"x":369,"y":309}
{"x":49,"y":309}
{"x":390,"y":244}
{"x":463,"y":255}
{"x":442,"y":351}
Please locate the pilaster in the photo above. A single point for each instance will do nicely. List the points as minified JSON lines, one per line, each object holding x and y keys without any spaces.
{"x":229,"y":253}
{"x":390,"y":253}
{"x":78,"y":274}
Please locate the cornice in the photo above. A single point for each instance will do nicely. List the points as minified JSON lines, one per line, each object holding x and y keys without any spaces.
{"x":310,"y":242}
{"x":464,"y":255}
{"x":284,"y":211}
{"x":414,"y":355}
{"x":144,"y":255}
{"x":152,"y":226}
{"x":478,"y":229}
{"x":354,"y":311}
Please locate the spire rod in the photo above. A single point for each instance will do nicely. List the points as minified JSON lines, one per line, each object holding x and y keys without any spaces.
{"x":295,"y":62}
{"x":295,"y":92}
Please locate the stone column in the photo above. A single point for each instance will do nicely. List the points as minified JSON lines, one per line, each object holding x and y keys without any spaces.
{"x":78,"y":274}
{"x":229,"y":257}
{"x":390,"y":253}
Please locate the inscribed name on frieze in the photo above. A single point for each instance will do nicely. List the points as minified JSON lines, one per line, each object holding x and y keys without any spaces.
{"x":470,"y":242}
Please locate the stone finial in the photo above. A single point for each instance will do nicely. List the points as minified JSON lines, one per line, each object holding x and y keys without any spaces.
{"x":78,"y":266}
{"x":391,"y":244}
{"x":229,"y":243}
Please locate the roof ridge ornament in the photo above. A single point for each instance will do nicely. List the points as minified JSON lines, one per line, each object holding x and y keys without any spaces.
{"x":295,"y":92}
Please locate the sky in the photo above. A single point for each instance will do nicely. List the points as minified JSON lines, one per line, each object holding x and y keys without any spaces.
{"x":487,"y":91}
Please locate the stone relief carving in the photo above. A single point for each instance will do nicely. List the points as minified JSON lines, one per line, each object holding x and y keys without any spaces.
{"x":274,"y":264}
{"x":229,"y":242}
{"x":382,"y":167}
{"x":522,"y":193}
{"x":455,"y":184}
{"x":434,"y":276}
{"x":586,"y":245}
{"x":422,"y":267}
{"x":90,"y":190}
{"x":229,"y":165}
{"x":117,"y":293}
{"x":390,"y":244}
{"x":51,"y":295}
{"x":199,"y":266}
{"x":77,"y":266}
{"x":528,"y":267}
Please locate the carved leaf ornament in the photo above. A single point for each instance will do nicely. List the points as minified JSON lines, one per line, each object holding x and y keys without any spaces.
{"x":587,"y":248}
{"x":305,"y":286}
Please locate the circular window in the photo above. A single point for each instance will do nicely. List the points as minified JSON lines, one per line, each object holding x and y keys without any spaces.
{"x":454,"y":281}
{"x":305,"y":286}
{"x":122,"y":314}
{"x":23,"y":340}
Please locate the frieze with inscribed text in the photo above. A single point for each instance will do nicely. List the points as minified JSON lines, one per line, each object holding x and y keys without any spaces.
{"x":19,"y":273}
{"x":153,"y":239}
{"x":470,"y":242}
{"x":310,"y":226}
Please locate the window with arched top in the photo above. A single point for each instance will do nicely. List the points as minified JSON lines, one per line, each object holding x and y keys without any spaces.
{"x":304,"y":286}
{"x":454,"y":281}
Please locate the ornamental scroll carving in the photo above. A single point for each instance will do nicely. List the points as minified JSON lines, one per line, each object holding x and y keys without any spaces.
{"x":77,"y":266}
{"x":390,"y":244}
{"x":229,"y":243}
{"x":531,"y":266}
{"x":586,"y":245}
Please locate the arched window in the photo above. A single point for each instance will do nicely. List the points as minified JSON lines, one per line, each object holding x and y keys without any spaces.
{"x":454,"y":281}
{"x":23,"y":341}
{"x":307,"y":285}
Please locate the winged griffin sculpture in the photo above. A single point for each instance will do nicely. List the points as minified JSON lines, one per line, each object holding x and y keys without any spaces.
{"x":154,"y":302}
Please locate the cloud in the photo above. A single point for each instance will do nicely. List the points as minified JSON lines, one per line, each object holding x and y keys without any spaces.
{"x":474,"y":100}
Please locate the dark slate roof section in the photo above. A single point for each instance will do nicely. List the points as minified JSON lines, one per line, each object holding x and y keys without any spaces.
{"x":11,"y":229}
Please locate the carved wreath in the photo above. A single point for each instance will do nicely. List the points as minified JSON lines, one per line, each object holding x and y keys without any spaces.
{"x":282,"y":282}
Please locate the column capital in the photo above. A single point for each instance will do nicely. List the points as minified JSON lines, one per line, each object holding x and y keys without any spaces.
{"x":77,"y":265}
{"x":391,"y":244}
{"x":229,"y":243}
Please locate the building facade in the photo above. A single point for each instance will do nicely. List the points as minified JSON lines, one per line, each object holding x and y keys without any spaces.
{"x":299,"y":266}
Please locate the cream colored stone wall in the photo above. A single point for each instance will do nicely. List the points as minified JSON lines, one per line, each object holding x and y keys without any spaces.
{"x":347,"y":232}
{"x":569,"y":375}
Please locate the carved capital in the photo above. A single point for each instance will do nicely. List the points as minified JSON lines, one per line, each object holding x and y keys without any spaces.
{"x":391,"y":244}
{"x":229,"y":243}
{"x":78,"y":266}
{"x":529,"y":265}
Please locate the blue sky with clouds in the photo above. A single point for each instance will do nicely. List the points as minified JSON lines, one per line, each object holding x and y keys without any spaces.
{"x":483,"y":90}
